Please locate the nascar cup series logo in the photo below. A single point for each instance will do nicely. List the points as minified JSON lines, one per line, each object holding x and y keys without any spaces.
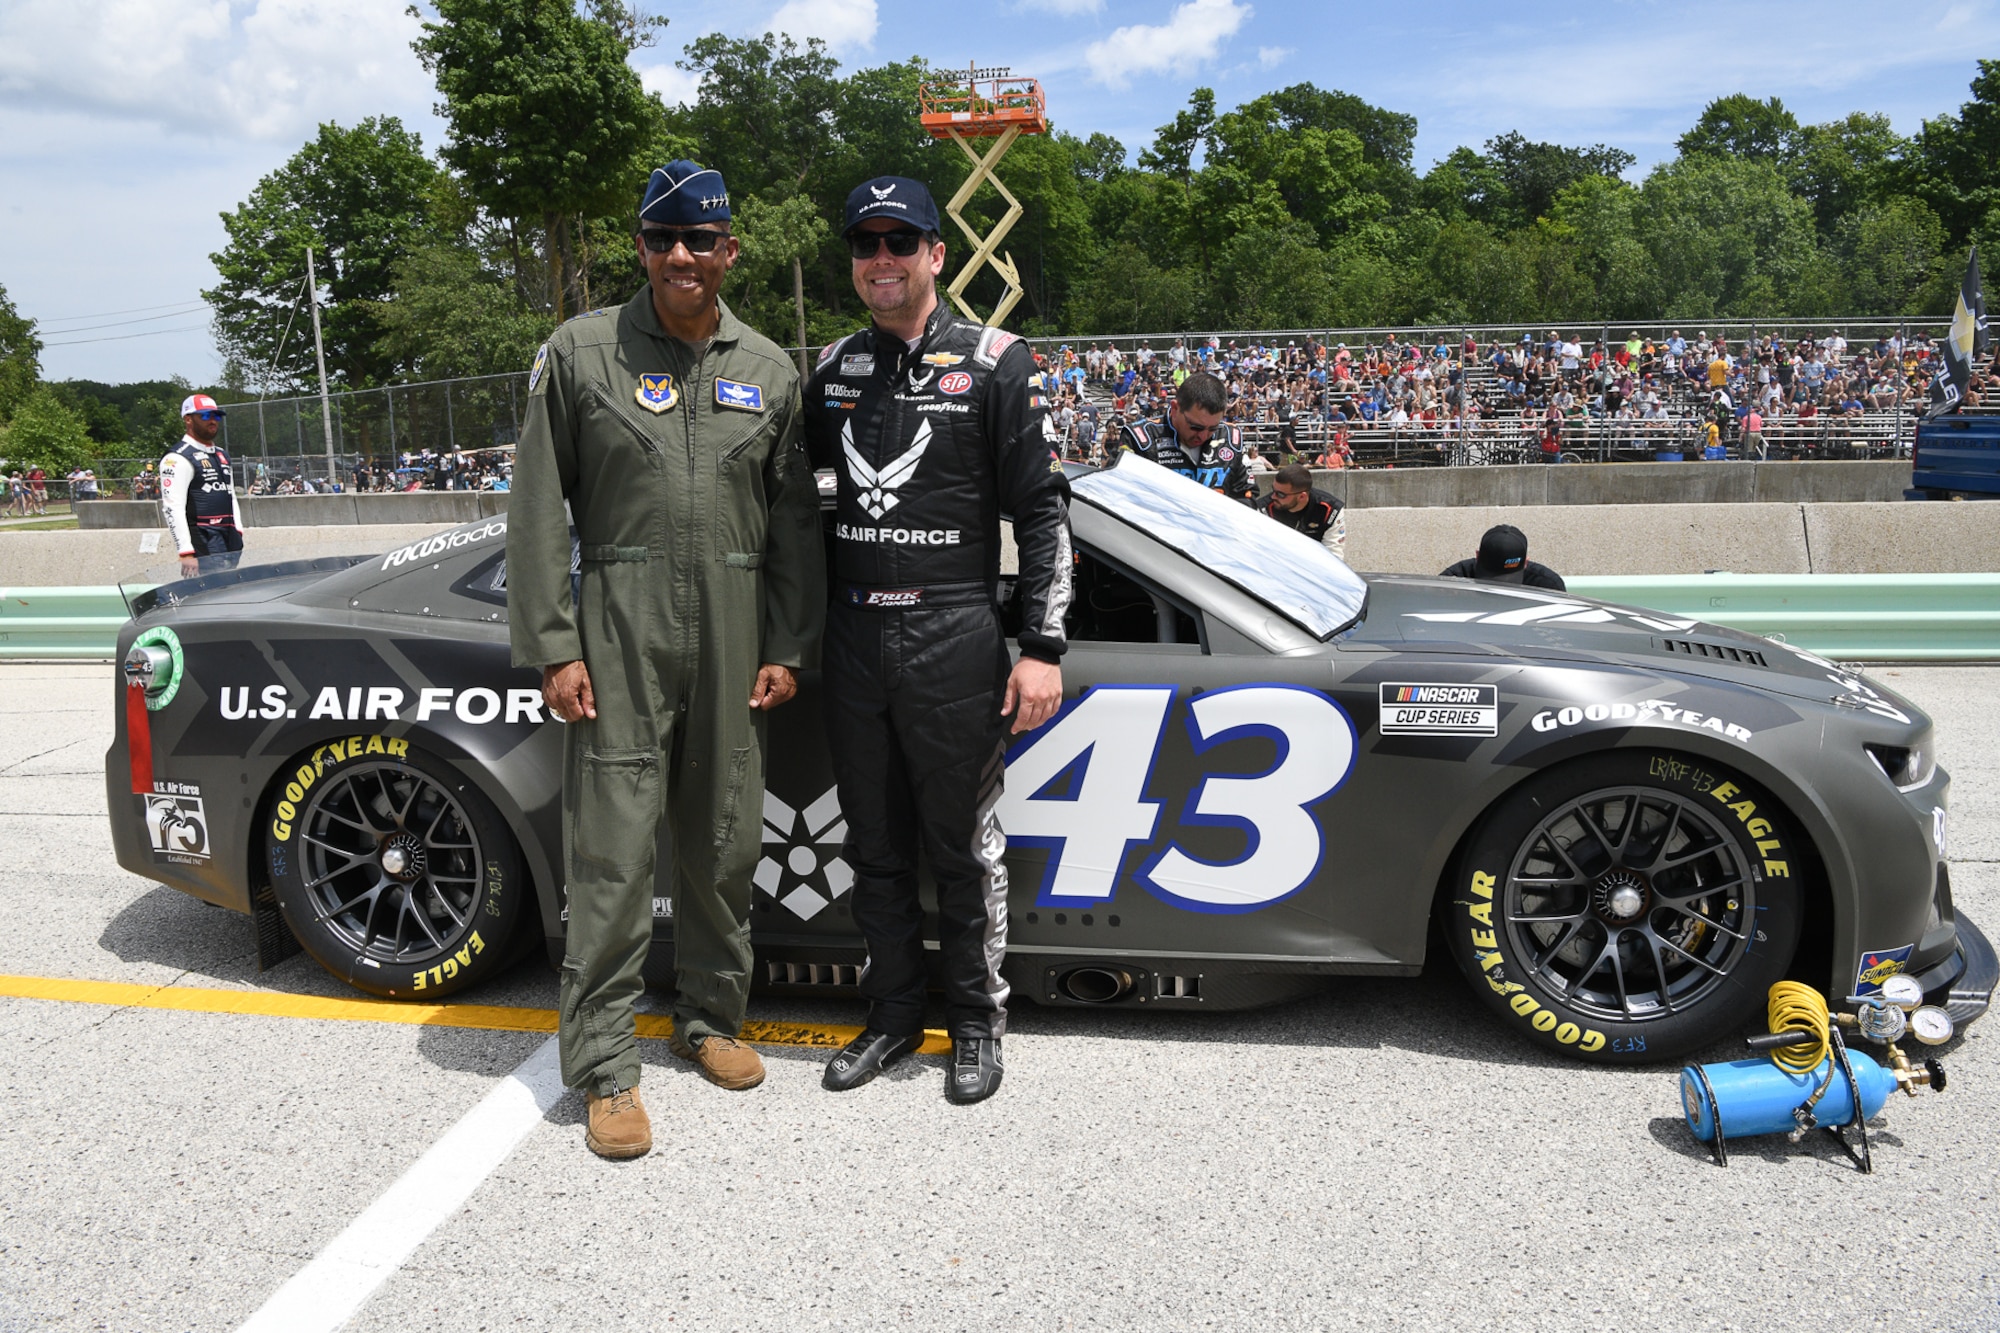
{"x":1440,"y":710}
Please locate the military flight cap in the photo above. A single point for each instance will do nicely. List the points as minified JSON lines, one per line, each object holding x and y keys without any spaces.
{"x":1503,"y":555}
{"x":684,"y":194}
{"x":896,"y":197}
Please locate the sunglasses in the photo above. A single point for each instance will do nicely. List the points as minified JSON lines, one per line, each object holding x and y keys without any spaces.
{"x":206,"y":416}
{"x":902,"y":243}
{"x":662,"y":240}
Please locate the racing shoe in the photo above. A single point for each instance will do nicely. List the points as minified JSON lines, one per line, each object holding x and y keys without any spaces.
{"x":618,"y":1126}
{"x":865,"y":1057}
{"x":723,"y":1061}
{"x":975,"y":1069}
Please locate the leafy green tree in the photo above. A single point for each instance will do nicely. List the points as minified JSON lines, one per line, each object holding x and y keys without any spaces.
{"x":46,"y":433}
{"x":546,"y":120}
{"x":1523,"y":178}
{"x":1955,"y":160}
{"x":1726,"y":236}
{"x":779,"y":236}
{"x":20,"y":357}
{"x":1595,"y":217}
{"x":358,"y":198}
{"x":1892,"y":257}
{"x":1126,"y":292}
{"x":454,"y":317}
{"x":1741,"y":126}
{"x":1274,"y":278}
{"x":1842,"y":164}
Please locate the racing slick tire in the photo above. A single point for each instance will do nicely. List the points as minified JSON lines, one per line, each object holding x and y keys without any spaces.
{"x":393,"y":870}
{"x":1628,"y":908}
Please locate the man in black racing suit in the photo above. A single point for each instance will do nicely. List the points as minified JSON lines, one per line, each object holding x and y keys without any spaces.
{"x":934,"y":430}
{"x":1193,"y":441}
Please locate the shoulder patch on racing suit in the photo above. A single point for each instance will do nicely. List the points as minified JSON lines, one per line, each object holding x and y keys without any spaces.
{"x":992,"y":342}
{"x":832,"y":350}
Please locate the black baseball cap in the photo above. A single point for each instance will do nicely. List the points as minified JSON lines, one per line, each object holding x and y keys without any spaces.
{"x":896,"y":197}
{"x":1503,"y":555}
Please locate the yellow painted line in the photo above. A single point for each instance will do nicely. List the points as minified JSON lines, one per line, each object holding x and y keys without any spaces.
{"x":485,"y":1017}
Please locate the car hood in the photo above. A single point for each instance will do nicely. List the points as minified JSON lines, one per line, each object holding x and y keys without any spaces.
{"x":1466,"y":615}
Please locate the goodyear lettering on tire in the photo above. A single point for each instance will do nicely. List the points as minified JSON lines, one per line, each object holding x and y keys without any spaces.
{"x":1478,"y":905}
{"x":1774,"y":861}
{"x":301,"y":779}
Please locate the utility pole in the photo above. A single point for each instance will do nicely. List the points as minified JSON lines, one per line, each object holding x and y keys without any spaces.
{"x":319,"y":351}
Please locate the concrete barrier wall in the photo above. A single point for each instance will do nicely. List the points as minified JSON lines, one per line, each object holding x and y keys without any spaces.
{"x":1826,"y":482}
{"x":1882,"y":538}
{"x":66,"y":559}
{"x":436,"y":508}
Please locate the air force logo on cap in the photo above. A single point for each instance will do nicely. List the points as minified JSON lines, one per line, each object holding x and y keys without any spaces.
{"x":907,"y":201}
{"x":685,"y":194}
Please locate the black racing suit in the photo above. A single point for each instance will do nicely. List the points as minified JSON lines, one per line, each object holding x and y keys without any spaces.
{"x":931,"y":446}
{"x":1320,"y":519}
{"x":1217,"y":464}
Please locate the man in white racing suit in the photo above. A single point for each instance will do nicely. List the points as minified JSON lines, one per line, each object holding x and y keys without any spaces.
{"x":196,"y":495}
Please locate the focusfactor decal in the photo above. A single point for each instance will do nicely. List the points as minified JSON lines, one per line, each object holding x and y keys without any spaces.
{"x":445,"y":541}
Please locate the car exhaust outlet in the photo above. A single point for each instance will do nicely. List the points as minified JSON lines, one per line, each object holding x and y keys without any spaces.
{"x":1095,"y":985}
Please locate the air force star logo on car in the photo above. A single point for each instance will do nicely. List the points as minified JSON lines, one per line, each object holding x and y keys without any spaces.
{"x":878,"y":486}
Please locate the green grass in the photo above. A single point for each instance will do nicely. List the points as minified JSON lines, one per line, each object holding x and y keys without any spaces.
{"x":41,"y":525}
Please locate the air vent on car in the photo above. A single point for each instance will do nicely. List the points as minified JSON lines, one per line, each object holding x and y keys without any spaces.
{"x":812,"y":974}
{"x":1167,"y":987}
{"x":1714,"y":652}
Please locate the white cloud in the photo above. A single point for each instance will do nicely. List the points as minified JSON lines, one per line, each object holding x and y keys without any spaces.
{"x":1188,"y":39}
{"x":194,"y":66}
{"x":674,"y":84}
{"x":1269,"y":57}
{"x":1067,"y":8}
{"x":844,"y":25}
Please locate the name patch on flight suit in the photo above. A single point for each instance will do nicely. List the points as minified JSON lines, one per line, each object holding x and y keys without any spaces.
{"x":743,"y":397}
{"x":656,"y":393}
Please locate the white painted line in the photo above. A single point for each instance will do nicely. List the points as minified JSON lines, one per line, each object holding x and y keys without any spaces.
{"x":327,"y":1292}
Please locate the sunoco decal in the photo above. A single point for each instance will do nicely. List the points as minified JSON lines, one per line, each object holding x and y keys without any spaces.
{"x":444,"y":541}
{"x":1440,"y":710}
{"x":1877,"y":966}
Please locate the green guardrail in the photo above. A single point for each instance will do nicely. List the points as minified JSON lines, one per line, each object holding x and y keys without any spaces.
{"x":1853,"y":617}
{"x":61,"y":622}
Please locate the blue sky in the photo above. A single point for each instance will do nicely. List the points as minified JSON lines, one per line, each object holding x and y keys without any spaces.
{"x":126,"y":126}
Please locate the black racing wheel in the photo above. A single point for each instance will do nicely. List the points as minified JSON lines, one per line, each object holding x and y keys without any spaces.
{"x":393,"y":871}
{"x":1628,"y":908}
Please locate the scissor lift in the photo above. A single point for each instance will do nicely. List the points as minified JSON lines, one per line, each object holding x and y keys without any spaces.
{"x":987,"y":104}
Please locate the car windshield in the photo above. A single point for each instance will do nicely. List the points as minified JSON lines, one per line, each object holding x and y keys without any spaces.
{"x":1286,"y":570}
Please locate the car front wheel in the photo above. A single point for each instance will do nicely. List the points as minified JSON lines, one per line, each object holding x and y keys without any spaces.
{"x":1628,"y":908}
{"x":393,"y":871}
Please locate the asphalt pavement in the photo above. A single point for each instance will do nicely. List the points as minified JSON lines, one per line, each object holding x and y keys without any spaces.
{"x":1380,"y":1156}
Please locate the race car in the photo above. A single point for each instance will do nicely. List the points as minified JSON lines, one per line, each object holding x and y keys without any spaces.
{"x":1268,"y":770}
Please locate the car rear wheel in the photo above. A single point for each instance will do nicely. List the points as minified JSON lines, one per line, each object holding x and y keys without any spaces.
{"x":394,"y":871}
{"x":1628,"y":908}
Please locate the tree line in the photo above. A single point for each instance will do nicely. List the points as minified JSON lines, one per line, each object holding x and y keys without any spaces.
{"x":1295,"y":209}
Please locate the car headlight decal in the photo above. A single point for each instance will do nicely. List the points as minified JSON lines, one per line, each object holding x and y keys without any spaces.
{"x":1908,"y":767}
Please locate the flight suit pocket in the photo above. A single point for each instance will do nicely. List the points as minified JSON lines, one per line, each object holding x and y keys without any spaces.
{"x":617,"y":808}
{"x":732,"y":797}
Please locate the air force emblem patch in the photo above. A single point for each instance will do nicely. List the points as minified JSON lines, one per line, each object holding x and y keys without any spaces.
{"x":742,"y":397}
{"x":541,"y":364}
{"x":657,"y":393}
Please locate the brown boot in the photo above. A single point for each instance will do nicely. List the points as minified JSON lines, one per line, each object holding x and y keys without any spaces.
{"x":618,"y":1125}
{"x":725,"y":1061}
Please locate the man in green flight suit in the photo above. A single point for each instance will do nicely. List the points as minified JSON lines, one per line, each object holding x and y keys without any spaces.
{"x":672,"y":430}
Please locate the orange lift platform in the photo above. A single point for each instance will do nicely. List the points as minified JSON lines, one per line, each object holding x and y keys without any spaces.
{"x":986,"y":104}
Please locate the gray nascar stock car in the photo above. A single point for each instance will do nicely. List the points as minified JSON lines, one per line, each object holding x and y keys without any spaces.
{"x":1269,"y":769}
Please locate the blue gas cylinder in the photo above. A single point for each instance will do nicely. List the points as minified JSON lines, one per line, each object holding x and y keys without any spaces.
{"x":1757,"y":1097}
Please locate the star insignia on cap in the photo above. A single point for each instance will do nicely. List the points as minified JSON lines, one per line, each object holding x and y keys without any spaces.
{"x":715,"y":201}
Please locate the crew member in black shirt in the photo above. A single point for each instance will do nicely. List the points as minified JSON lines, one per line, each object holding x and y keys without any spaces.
{"x":1503,"y":558}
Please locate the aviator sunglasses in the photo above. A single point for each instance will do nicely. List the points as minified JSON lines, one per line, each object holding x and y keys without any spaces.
{"x":902,"y":243}
{"x":662,"y":240}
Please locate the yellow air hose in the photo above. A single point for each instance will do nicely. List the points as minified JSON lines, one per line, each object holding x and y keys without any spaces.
{"x":1797,"y":1008}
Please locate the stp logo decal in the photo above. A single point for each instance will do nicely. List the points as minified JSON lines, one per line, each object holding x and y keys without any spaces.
{"x":956,"y":382}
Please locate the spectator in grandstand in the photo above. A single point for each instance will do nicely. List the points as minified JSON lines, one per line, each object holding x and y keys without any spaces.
{"x":1503,"y":558}
{"x":1297,"y":504}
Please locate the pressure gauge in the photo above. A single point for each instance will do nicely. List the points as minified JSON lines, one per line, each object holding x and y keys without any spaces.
{"x":1931,"y":1025}
{"x":1903,"y":991}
